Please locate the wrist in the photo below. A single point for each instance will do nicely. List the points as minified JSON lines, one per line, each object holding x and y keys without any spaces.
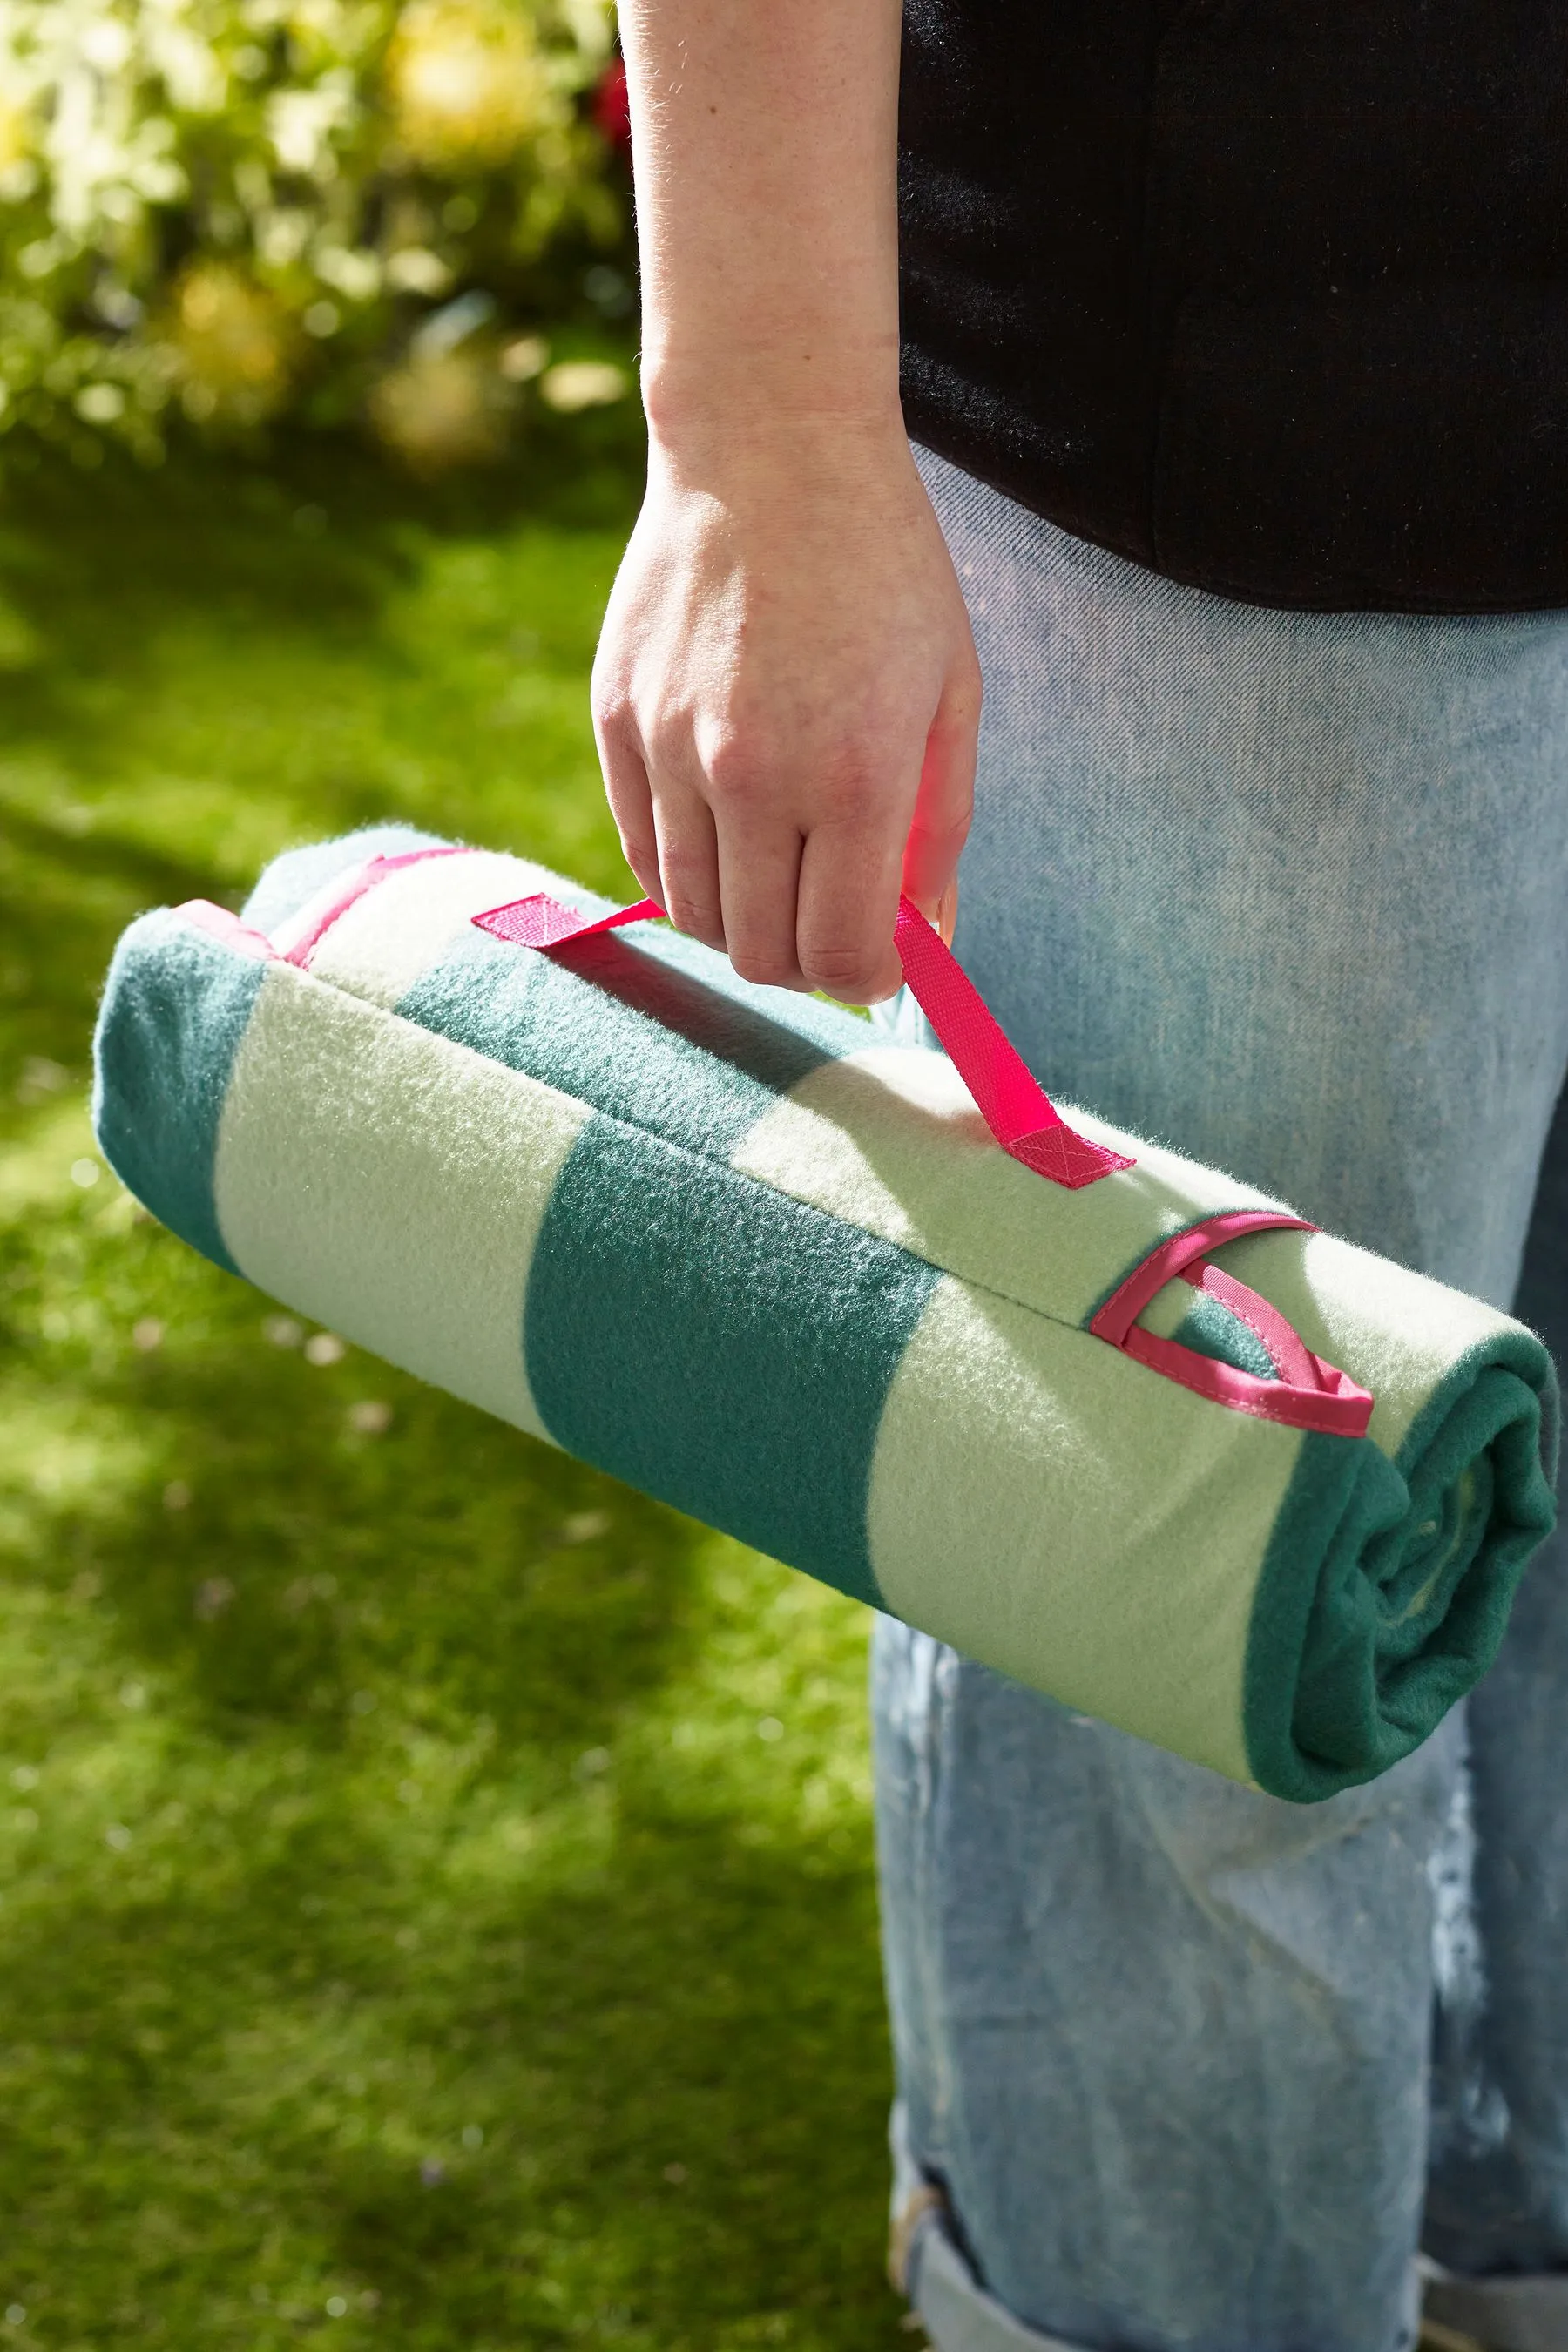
{"x":767,"y":460}
{"x":699,"y":399}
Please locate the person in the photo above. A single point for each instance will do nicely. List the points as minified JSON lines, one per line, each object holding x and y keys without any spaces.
{"x":1232,"y":344}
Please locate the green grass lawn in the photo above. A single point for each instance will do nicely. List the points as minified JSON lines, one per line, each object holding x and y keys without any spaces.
{"x":435,"y":1896}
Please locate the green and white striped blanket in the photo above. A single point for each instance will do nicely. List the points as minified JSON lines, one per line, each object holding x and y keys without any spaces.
{"x":718,"y":1240}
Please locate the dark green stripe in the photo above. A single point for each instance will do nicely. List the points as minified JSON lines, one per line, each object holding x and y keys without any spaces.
{"x":719,"y":1345}
{"x":1210,"y":1329}
{"x":175,"y":1006}
{"x":661,"y":1034}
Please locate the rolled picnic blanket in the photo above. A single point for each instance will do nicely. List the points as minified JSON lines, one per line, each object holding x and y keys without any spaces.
{"x":1112,"y":1423}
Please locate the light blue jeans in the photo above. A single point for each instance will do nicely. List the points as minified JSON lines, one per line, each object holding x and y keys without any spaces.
{"x":1196,"y":2070}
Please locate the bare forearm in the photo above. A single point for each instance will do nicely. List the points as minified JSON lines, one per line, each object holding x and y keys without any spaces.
{"x":785,"y":695}
{"x":766,"y":138}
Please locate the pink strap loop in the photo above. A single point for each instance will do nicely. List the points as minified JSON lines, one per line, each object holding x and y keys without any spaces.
{"x":1309,"y":1393}
{"x":1014,"y":1106}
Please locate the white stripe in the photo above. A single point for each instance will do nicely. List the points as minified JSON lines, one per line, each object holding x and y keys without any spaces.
{"x":390,"y":1184}
{"x":1398,"y":1333}
{"x":1051,"y":1506}
{"x":890,"y":1139}
{"x":379,"y":947}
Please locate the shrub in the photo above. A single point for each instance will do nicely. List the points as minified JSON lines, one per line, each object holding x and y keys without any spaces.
{"x":232,"y":211}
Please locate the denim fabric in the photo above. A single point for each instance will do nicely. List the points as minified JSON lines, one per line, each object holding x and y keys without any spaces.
{"x":1289,"y":891}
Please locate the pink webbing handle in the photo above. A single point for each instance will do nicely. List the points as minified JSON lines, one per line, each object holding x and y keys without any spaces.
{"x":1014,"y":1106}
{"x":1012,"y":1102}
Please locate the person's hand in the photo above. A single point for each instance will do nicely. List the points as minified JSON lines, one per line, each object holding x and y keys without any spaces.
{"x":786,"y":698}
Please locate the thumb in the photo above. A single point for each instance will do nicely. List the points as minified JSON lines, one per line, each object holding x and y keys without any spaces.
{"x":944,"y":804}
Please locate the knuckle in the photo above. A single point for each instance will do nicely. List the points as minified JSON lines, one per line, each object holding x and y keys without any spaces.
{"x":689,"y":874}
{"x":941,"y":831}
{"x":641,"y":854}
{"x":851,"y":777}
{"x":690,"y":913}
{"x":693,"y":911}
{"x":738,"y":768}
{"x":693,"y":926}
{"x":765,"y":967}
{"x":611,"y":707}
{"x":668,"y":738}
{"x":841,"y":969}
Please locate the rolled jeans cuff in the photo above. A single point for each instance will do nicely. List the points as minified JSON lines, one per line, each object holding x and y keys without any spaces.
{"x":1527,"y":2312}
{"x":926,"y":2265}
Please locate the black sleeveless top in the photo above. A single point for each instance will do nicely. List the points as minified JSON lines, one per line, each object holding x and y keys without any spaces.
{"x":1269,"y":295}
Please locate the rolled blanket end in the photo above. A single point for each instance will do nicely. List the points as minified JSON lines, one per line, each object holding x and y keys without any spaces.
{"x":1418,"y":1562}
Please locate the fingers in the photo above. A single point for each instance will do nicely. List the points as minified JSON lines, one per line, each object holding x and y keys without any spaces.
{"x":796,"y":907}
{"x":848,"y":900}
{"x":631,"y":806}
{"x":758,"y":879}
{"x":851,"y":874}
{"x":667,"y":830}
{"x":792,"y":911}
{"x":688,"y":860}
{"x":946,"y":802}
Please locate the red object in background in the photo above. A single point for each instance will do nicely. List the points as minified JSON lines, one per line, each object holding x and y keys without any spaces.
{"x":612,"y":106}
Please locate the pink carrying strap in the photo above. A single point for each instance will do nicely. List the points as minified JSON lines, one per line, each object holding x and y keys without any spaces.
{"x":1015,"y":1106}
{"x":351,"y":888}
{"x":1308,"y":1394}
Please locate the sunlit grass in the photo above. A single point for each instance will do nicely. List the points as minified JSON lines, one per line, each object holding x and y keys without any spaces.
{"x":436,"y":1905}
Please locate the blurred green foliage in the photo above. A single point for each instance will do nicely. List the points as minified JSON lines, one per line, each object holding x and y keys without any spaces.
{"x":435,"y":1897}
{"x":411,"y":213}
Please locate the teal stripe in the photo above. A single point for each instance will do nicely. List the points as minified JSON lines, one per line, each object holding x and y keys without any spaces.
{"x":719,"y":1345}
{"x":1210,"y":1329}
{"x":661,"y":1033}
{"x":175,"y":1006}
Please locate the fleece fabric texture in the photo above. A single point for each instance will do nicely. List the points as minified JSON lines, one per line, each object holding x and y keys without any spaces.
{"x":709,"y":1237}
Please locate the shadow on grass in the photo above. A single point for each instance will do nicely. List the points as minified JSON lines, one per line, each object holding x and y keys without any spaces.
{"x":314,"y":1559}
{"x":673,"y":2151}
{"x":379,"y":1949}
{"x":92,"y":565}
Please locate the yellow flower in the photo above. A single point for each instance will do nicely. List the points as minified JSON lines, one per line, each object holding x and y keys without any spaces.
{"x":441,"y":409}
{"x":466,"y":84}
{"x":17,"y":134}
{"x":573,"y":384}
{"x":233,"y":345}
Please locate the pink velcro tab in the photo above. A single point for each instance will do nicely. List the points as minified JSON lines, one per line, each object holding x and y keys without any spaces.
{"x":543,"y":922}
{"x":1063,"y":1155}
